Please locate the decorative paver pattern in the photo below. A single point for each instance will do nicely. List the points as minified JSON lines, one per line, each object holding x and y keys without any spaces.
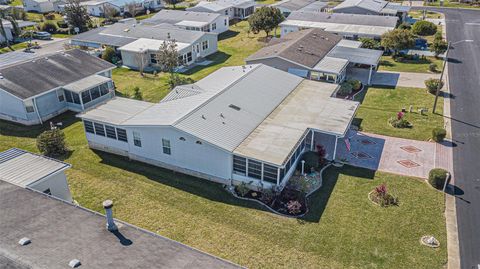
{"x":411,"y":149}
{"x":408,"y":163}
{"x":366,"y":141}
{"x":361,"y":155}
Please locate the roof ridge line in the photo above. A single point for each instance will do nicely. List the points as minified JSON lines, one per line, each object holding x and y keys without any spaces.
{"x":215,"y":95}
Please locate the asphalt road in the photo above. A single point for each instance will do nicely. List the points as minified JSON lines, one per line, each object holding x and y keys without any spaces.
{"x":463,"y":31}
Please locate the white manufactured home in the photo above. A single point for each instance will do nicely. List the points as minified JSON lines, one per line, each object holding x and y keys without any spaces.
{"x":32,"y":171}
{"x":239,"y":124}
{"x":233,"y":9}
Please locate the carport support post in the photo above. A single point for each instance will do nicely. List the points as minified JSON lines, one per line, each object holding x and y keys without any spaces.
{"x":370,"y":74}
{"x":335,"y":149}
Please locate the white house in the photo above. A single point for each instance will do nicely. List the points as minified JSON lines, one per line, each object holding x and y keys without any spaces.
{"x":372,"y":7}
{"x":97,"y":8}
{"x":139,"y":42}
{"x":191,"y":20}
{"x":289,"y":6}
{"x":7,"y":25}
{"x":350,"y":26}
{"x":35,"y":90}
{"x":234,"y":9}
{"x":32,"y":171}
{"x":239,"y":124}
{"x":40,"y":6}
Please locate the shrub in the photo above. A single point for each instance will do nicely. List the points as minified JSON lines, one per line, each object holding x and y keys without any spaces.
{"x":64,"y":31}
{"x":62,"y":24}
{"x":433,"y":84}
{"x":267,"y":196}
{"x":50,"y":16}
{"x":243,"y":189}
{"x":356,"y":84}
{"x":404,"y":26}
{"x":437,"y":177}
{"x":432,"y":67}
{"x":424,"y":28}
{"x":438,"y":134}
{"x":52,"y":143}
{"x":294,"y":207}
{"x":399,"y":123}
{"x":48,"y":26}
{"x":177,"y":80}
{"x":382,"y":197}
{"x":370,"y":43}
{"x":312,"y":161}
{"x":109,"y":54}
{"x":137,"y":94}
{"x":345,"y":89}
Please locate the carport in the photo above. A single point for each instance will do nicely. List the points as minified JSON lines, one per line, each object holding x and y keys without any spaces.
{"x":360,"y":56}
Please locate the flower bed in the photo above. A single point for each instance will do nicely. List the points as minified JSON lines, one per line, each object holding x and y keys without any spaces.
{"x":380,"y":196}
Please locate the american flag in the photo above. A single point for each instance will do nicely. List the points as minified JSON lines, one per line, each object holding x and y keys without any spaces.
{"x":347,"y":143}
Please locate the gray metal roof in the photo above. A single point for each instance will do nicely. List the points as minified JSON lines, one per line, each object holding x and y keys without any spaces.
{"x":30,"y":78}
{"x":116,"y":110}
{"x":23,"y":168}
{"x":121,"y":34}
{"x":61,"y":232}
{"x":86,"y":83}
{"x":331,"y":65}
{"x":316,"y":6}
{"x":341,"y":18}
{"x":176,"y":16}
{"x":15,"y":57}
{"x":357,"y":55}
{"x":293,"y":5}
{"x":371,"y":5}
{"x":218,"y":5}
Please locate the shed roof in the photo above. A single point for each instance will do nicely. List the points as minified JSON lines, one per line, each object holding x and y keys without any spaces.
{"x":293,"y":5}
{"x":86,"y":83}
{"x":371,"y":5}
{"x":61,"y":232}
{"x":316,"y":6}
{"x":22,"y":168}
{"x":306,"y":47}
{"x":350,"y":43}
{"x":357,"y":55}
{"x":341,"y":18}
{"x":177,"y":16}
{"x":146,"y":44}
{"x":116,"y":111}
{"x":350,"y":29}
{"x":29,"y":78}
{"x":331,"y":65}
{"x":309,"y":106}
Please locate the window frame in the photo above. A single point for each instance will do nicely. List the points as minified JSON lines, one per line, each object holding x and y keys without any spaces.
{"x":137,"y":139}
{"x":166,"y":146}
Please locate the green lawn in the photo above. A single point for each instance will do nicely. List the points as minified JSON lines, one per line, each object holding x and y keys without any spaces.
{"x":379,"y":104}
{"x":417,"y":14}
{"x":417,"y":66}
{"x":342,"y":230}
{"x":233,"y":47}
{"x":17,"y":46}
{"x":16,"y":3}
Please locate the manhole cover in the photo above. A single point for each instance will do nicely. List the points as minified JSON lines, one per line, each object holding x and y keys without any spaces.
{"x":411,"y":149}
{"x":366,"y":142}
{"x":408,"y":163}
{"x":361,"y":155}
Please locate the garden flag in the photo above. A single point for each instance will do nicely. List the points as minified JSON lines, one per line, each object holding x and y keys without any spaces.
{"x":347,"y":143}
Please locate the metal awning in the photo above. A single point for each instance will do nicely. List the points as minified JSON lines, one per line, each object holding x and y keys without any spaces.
{"x":86,"y":83}
{"x":357,"y":55}
{"x":331,"y":65}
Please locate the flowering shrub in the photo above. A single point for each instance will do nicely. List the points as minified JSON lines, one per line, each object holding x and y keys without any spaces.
{"x":382,"y":197}
{"x":294,"y":207}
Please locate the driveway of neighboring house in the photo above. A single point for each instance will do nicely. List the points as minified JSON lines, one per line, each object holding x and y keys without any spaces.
{"x":50,"y":46}
{"x":392,"y":79}
{"x":388,"y":154}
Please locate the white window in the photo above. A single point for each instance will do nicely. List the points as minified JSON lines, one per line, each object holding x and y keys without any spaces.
{"x":166,"y":146}
{"x":225,"y":22}
{"x":137,"y":140}
{"x":214,"y":26}
{"x":60,"y":95}
{"x":29,"y":106}
{"x":226,"y":12}
{"x":205,"y":45}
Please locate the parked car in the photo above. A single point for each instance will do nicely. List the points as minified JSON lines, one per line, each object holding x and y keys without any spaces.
{"x":42,"y":35}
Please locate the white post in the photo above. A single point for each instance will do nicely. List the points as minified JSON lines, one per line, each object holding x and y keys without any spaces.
{"x":278,"y":176}
{"x":34,"y":101}
{"x":81,"y":100}
{"x":303,"y":167}
{"x":311,"y":144}
{"x":370,"y":75}
{"x":108,"y":204}
{"x":447,"y":176}
{"x":335,"y":149}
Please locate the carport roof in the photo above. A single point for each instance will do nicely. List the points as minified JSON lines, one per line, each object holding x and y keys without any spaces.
{"x":357,"y":55}
{"x":309,"y":106}
{"x":86,"y":83}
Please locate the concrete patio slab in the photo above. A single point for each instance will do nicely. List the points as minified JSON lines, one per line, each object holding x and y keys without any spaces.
{"x":392,"y":79}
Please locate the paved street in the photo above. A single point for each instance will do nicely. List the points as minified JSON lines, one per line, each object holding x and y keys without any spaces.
{"x":463,"y":30}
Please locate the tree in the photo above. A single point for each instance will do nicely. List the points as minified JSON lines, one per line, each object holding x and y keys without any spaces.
{"x":171,"y":2}
{"x":48,"y":26}
{"x":265,"y":19}
{"x":110,"y":12}
{"x":177,"y":80}
{"x":439,"y":45}
{"x":433,"y":84}
{"x":369,"y":43}
{"x":77,"y":15}
{"x":397,"y":40}
{"x":168,"y":58}
{"x":108,"y":54}
{"x":424,"y":28}
{"x":5,"y":15}
{"x":131,"y":9}
{"x":137,"y":94}
{"x":52,"y":143}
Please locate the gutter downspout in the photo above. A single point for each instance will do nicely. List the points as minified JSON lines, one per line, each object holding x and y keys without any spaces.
{"x":36,"y":110}
{"x":370,"y":75}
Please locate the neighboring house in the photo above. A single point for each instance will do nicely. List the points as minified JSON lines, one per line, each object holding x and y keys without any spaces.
{"x":40,"y":6}
{"x":234,"y":9}
{"x":350,"y":26}
{"x":317,"y":6}
{"x":191,"y":20}
{"x":97,"y":8}
{"x":138,"y":42}
{"x":372,"y":7}
{"x":317,"y":55}
{"x":63,"y":235}
{"x":7,"y":25}
{"x":229,"y":127}
{"x":289,"y":6}
{"x":33,"y":91}
{"x":36,"y":172}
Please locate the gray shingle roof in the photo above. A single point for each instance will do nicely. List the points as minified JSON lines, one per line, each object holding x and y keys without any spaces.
{"x":176,"y":16}
{"x":341,"y":18}
{"x":306,"y":47}
{"x":30,"y":78}
{"x":61,"y":232}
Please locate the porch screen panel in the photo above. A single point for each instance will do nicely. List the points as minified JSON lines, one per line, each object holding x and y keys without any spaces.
{"x":76,"y":98}
{"x":104,"y":89}
{"x":308,"y":140}
{"x":95,"y":92}
{"x":270,"y":173}
{"x":110,"y":132}
{"x":86,"y":97}
{"x":254,"y":169}
{"x":239,"y":165}
{"x":122,"y":135}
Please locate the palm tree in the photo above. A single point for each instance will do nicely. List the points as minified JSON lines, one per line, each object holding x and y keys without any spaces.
{"x":5,"y":15}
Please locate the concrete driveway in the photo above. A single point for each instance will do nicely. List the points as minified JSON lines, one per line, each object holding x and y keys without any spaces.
{"x":392,"y":79}
{"x":389,"y":154}
{"x":50,"y":46}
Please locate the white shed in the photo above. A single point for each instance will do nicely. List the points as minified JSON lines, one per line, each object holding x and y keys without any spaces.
{"x":37,"y":172}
